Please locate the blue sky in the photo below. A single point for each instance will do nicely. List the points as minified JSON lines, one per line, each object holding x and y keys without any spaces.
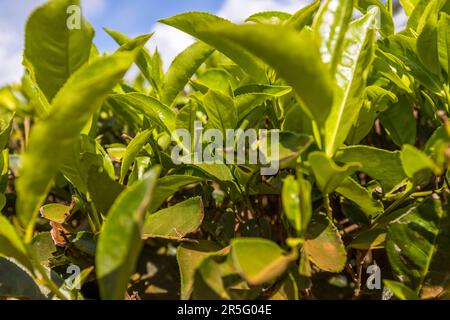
{"x":132,"y":17}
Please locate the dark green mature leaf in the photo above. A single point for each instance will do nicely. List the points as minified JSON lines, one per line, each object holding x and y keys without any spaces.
{"x":259,"y":260}
{"x":324,"y":246}
{"x":294,"y":56}
{"x":352,"y":65}
{"x":198,"y":23}
{"x":427,"y":42}
{"x":331,"y":24}
{"x":359,"y":195}
{"x":416,"y":246}
{"x":15,"y":282}
{"x":400,"y":122}
{"x":47,"y":35}
{"x":328,"y":174}
{"x":120,"y":242}
{"x":182,"y":69}
{"x":102,"y":189}
{"x":384,"y":166}
{"x":189,"y":257}
{"x":71,"y":109}
{"x":174,"y":222}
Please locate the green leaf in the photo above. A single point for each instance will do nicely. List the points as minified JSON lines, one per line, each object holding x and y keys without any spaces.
{"x":189,"y":257}
{"x":71,"y":109}
{"x":132,"y":151}
{"x":416,"y":246}
{"x":248,"y":97}
{"x":324,"y":246}
{"x":331,"y":24}
{"x":427,"y":42}
{"x":55,"y":51}
{"x":120,"y":241}
{"x":182,"y":69}
{"x":55,"y":212}
{"x":304,"y":16}
{"x":359,"y":195}
{"x":386,"y":22}
{"x":352,"y":65}
{"x":175,"y":222}
{"x":400,"y":290}
{"x":269,"y":17}
{"x":11,"y":244}
{"x":417,"y":165}
{"x":15,"y":282}
{"x":381,"y":165}
{"x":221,"y":111}
{"x":444,"y":42}
{"x":259,"y":260}
{"x":43,"y":247}
{"x":328,"y":174}
{"x":103,"y":190}
{"x":197,"y":25}
{"x":143,"y":60}
{"x":295,"y":56}
{"x":400,"y":122}
{"x":157,"y":112}
{"x":296,"y":197}
{"x":217,"y":79}
{"x":168,"y":185}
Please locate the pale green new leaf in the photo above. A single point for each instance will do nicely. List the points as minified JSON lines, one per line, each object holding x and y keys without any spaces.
{"x":197,"y":25}
{"x":182,"y":69}
{"x":444,"y":42}
{"x":132,"y":150}
{"x":331,"y":24}
{"x":296,"y":198}
{"x":295,"y":56}
{"x":304,"y":16}
{"x":55,"y":51}
{"x":351,"y":73}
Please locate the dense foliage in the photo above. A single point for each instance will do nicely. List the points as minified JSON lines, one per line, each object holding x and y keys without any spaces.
{"x":358,"y":209}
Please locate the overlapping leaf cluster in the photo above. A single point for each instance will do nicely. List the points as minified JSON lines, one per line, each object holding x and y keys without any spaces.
{"x":87,"y":177}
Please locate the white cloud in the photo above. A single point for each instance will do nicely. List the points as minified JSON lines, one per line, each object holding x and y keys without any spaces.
{"x":169,"y":41}
{"x":237,"y":11}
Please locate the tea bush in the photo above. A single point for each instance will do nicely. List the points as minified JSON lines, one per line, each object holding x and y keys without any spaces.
{"x":94,"y":205}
